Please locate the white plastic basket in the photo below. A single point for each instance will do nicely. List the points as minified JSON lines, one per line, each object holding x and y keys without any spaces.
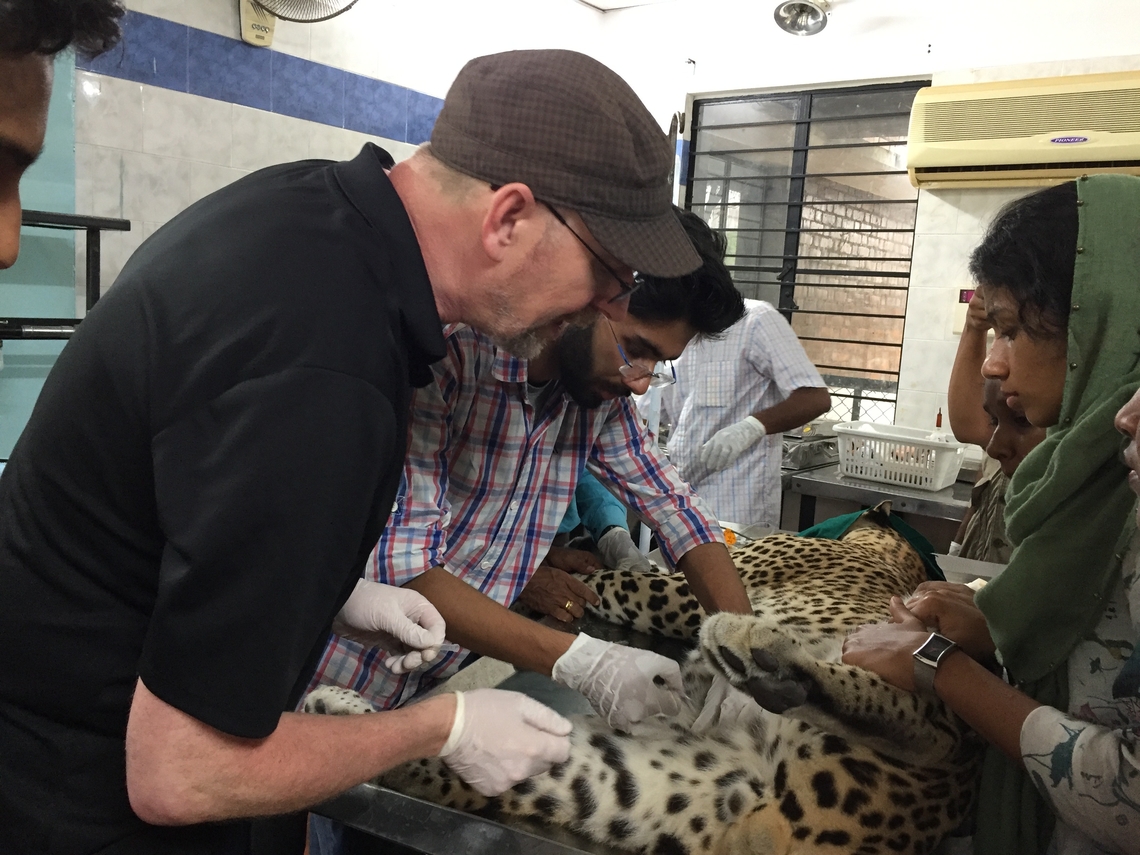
{"x":908,"y":457}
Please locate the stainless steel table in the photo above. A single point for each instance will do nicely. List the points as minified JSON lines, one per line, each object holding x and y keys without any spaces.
{"x":949,"y":503}
{"x":436,"y":830}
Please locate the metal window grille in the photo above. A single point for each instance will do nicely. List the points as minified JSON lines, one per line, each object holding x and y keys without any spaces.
{"x":811,"y":192}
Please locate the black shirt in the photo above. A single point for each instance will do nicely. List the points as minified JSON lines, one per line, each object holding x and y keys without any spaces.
{"x":201,"y":480}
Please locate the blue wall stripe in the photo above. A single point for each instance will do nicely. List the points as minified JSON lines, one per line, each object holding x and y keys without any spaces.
{"x":177,"y":57}
{"x":224,"y":70}
{"x":306,"y":90}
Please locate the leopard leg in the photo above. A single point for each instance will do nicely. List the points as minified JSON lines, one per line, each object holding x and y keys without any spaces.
{"x":655,"y":603}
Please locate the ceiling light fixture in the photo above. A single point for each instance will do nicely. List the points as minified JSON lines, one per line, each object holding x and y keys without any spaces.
{"x":802,"y":17}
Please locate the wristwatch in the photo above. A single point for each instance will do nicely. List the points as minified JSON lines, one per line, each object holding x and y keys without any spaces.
{"x":927,"y":658}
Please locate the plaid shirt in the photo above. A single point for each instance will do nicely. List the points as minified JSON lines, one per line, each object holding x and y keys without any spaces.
{"x":758,"y":363}
{"x":488,"y":478}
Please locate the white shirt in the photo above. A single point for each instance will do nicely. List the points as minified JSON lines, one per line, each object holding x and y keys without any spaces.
{"x":758,"y":363}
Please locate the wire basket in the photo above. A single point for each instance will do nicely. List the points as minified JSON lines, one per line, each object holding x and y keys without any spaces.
{"x":908,"y":457}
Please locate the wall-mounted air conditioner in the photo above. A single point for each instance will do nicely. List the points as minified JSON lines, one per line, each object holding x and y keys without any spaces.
{"x":1025,"y":132}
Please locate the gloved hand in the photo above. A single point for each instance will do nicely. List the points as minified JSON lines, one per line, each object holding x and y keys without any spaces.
{"x":623,"y":684}
{"x":500,"y":738}
{"x":725,"y":707}
{"x":729,"y":443}
{"x":399,"y":620}
{"x":619,"y":552}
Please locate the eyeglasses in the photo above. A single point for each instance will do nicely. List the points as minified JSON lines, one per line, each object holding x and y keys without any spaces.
{"x":627,"y":288}
{"x":635,"y":374}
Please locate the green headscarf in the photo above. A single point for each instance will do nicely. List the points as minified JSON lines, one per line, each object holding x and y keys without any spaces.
{"x":1068,"y":503}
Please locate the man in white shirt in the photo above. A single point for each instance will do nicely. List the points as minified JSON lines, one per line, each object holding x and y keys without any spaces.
{"x":733,"y":398}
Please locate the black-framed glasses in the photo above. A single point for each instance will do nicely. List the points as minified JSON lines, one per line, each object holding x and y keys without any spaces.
{"x":627,"y":288}
{"x":635,"y":373}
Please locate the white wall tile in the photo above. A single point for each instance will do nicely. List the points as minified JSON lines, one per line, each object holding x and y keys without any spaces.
{"x":176,"y":124}
{"x":336,"y":143}
{"x":215,"y":16}
{"x":293,"y":38}
{"x":262,"y":139}
{"x":930,"y":313}
{"x":108,"y":111}
{"x":171,"y":10}
{"x":153,"y":187}
{"x":937,"y":212}
{"x":920,"y":409}
{"x":99,"y":173}
{"x":979,"y":205}
{"x":1101,"y":65}
{"x":347,"y":41}
{"x":940,"y":260}
{"x":927,"y":364}
{"x":398,"y":150}
{"x":1033,"y":70}
{"x":205,"y":178}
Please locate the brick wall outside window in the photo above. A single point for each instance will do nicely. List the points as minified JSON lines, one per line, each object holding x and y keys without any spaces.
{"x":819,"y":217}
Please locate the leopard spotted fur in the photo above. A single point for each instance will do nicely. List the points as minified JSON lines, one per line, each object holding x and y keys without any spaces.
{"x":836,"y":760}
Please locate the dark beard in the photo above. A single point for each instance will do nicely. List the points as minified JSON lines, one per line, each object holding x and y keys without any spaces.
{"x":575,"y":352}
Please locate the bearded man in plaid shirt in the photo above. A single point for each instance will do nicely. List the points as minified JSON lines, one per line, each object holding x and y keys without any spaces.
{"x":496,"y":447}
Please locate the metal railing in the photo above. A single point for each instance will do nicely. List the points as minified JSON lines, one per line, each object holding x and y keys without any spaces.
{"x":55,"y":328}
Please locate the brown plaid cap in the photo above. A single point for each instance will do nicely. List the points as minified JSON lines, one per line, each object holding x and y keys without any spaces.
{"x":578,"y":136}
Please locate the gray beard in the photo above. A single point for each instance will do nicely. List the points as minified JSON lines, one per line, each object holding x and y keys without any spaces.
{"x":526,"y":345}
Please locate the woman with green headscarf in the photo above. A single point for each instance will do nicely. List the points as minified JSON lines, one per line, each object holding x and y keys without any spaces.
{"x":1061,"y":272}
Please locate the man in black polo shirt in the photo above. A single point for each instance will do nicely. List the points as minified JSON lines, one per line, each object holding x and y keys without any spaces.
{"x":219,"y":445}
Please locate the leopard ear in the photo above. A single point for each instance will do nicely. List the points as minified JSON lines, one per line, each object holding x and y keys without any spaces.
{"x":882,"y":512}
{"x":880,"y":516}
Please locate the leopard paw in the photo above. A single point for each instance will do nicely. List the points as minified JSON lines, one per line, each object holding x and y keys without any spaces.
{"x":333,"y":700}
{"x":757,"y":659}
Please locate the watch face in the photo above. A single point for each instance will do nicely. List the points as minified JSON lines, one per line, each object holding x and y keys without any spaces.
{"x":934,"y":647}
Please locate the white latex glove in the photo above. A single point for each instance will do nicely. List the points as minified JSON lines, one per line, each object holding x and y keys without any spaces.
{"x":500,"y":738}
{"x":623,"y":684}
{"x":729,"y":443}
{"x":726,"y":707}
{"x":399,"y":620}
{"x":619,"y":552}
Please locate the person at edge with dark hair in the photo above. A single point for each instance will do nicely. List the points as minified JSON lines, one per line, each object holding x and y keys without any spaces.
{"x":1061,"y":272}
{"x":979,"y":414}
{"x":217,"y":449}
{"x":733,"y":399}
{"x":32,"y":32}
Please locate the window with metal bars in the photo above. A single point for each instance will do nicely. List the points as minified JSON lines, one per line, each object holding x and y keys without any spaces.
{"x":811,"y":191}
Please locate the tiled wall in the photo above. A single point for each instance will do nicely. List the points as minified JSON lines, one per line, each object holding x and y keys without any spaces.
{"x":949,"y":225}
{"x":177,"y":112}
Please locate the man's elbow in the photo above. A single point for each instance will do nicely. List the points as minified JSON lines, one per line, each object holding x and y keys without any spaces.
{"x":162,"y":799}
{"x":821,"y":402}
{"x":166,"y":763}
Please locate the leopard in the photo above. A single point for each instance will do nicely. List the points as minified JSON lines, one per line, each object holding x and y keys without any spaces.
{"x":828,"y":758}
